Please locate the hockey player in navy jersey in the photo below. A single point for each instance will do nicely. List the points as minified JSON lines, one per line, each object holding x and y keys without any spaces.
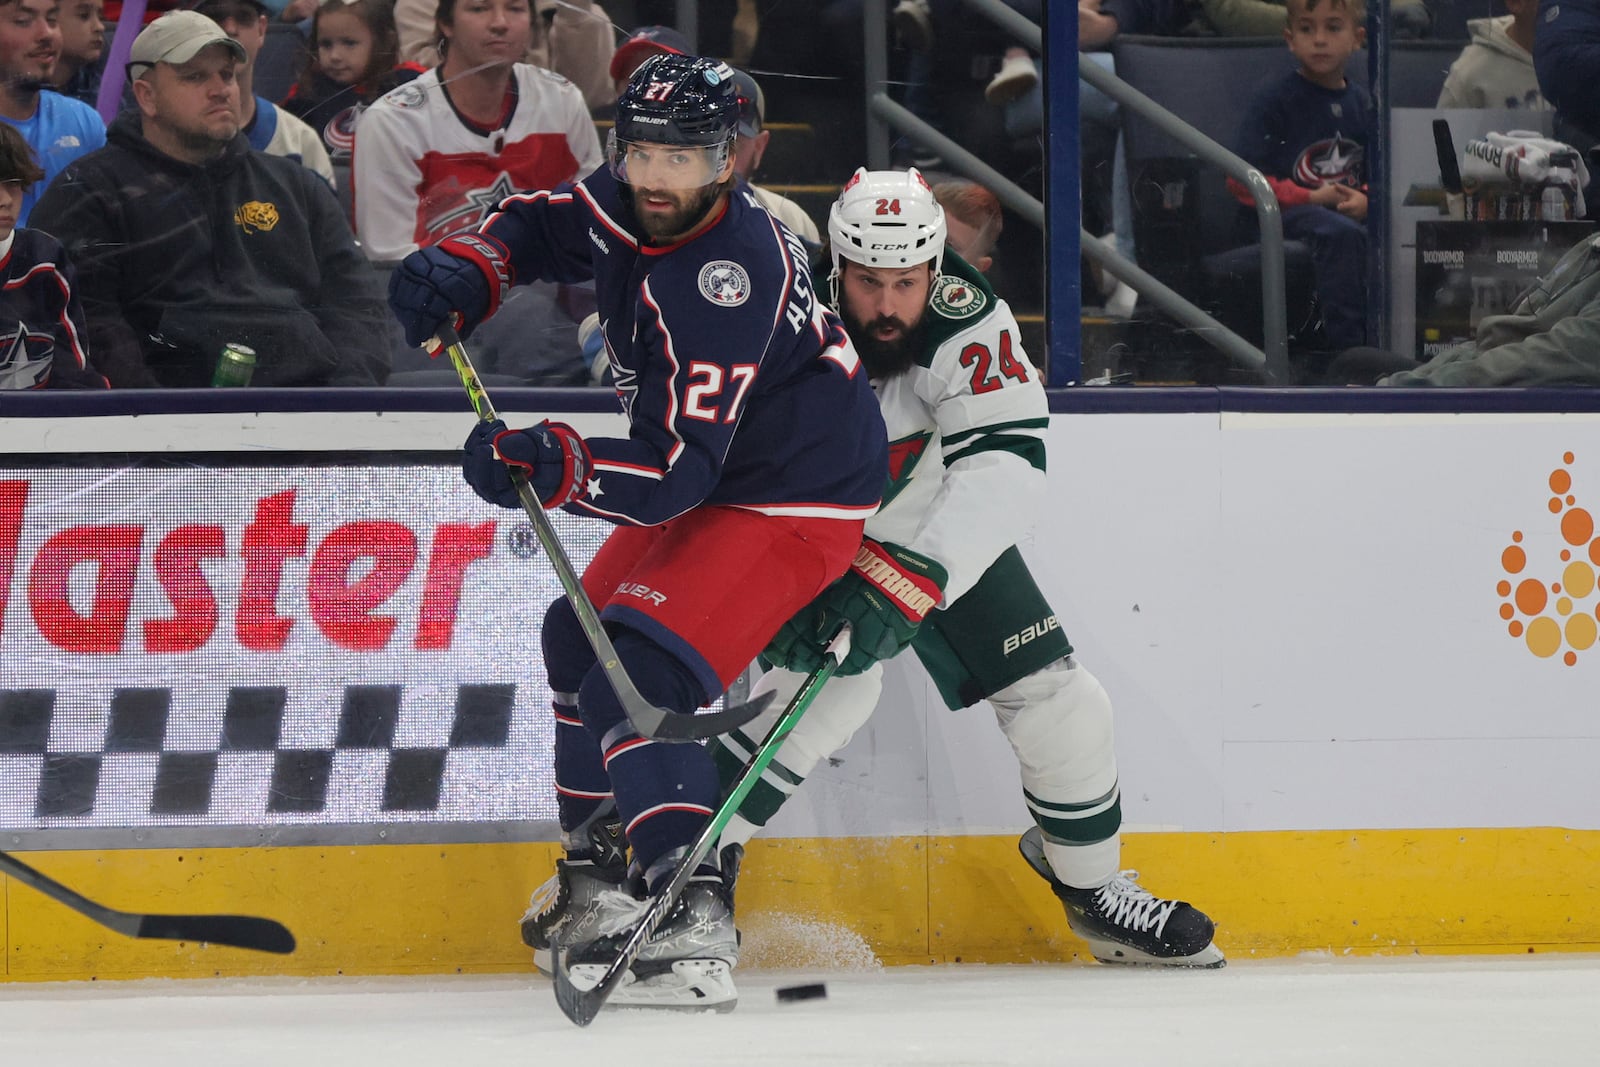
{"x":43,"y":343}
{"x":755,"y":452}
{"x":966,"y":414}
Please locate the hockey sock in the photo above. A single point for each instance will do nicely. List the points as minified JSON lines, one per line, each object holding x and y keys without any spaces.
{"x":664,"y":792}
{"x":581,"y":782}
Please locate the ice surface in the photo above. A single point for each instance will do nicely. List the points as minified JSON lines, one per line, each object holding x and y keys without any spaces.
{"x":1458,"y":1011}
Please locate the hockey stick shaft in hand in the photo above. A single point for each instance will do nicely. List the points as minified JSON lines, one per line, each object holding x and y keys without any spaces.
{"x":239,"y":931}
{"x":582,"y":1005}
{"x":656,"y":723}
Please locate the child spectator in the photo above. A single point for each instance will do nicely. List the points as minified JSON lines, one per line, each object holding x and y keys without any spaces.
{"x":83,"y":47}
{"x":57,"y":128}
{"x":1496,"y":67}
{"x":355,"y":60}
{"x":43,"y":343}
{"x":1307,"y":132}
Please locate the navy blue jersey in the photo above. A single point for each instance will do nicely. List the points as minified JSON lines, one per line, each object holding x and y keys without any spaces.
{"x":740,"y":386}
{"x":1299,"y":131}
{"x":42,"y":335}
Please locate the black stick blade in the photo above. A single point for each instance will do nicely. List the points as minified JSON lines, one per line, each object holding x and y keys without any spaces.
{"x":582,"y":1005}
{"x":674,"y":727}
{"x":237,"y":931}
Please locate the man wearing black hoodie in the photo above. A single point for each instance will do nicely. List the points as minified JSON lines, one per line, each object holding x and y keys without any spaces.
{"x":186,"y":239}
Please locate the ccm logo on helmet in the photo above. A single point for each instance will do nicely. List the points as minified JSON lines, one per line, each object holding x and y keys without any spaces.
{"x":881,"y":246}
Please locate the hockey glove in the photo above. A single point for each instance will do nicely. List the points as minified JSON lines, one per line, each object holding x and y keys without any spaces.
{"x":884,"y":596}
{"x":551,"y":456}
{"x":460,"y":280}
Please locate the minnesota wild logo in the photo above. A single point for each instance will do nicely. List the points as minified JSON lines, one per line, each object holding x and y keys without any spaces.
{"x":956,"y":298}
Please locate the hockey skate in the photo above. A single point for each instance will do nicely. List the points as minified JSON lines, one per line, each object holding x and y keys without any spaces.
{"x":564,"y":906}
{"x":1125,"y":923}
{"x":686,"y":966}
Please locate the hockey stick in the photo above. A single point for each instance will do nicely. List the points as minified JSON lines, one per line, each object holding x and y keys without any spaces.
{"x":656,"y":723}
{"x":240,"y":931}
{"x":582,"y":1005}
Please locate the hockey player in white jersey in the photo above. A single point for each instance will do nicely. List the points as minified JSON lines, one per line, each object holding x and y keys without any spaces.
{"x":966,"y":414}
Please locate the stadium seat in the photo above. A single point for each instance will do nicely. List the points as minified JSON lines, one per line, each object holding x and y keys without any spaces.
{"x":278,"y":65}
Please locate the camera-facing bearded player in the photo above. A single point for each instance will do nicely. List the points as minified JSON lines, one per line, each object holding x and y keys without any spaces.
{"x":754,"y":454}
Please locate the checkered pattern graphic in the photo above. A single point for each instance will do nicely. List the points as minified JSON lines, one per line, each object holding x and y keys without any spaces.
{"x":352,"y":753}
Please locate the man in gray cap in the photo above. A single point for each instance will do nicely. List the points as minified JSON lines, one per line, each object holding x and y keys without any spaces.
{"x":186,"y":239}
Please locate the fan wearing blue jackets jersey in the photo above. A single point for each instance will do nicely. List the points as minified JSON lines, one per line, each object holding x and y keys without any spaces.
{"x":755,"y":452}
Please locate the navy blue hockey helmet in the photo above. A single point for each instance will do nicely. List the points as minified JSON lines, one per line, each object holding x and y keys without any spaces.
{"x":682,"y":100}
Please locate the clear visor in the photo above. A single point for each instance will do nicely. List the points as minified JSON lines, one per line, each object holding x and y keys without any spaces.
{"x":667,"y":167}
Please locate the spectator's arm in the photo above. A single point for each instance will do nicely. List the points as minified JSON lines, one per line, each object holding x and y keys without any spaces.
{"x":385,"y":177}
{"x":1246,"y":18}
{"x":1096,"y":28}
{"x":89,"y":225}
{"x":1288,"y":193}
{"x":69,"y":366}
{"x":1566,"y":354}
{"x":348,"y":304}
{"x":581,"y":44}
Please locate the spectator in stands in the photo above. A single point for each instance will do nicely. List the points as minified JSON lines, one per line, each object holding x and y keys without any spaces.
{"x":751,"y":145}
{"x":574,"y":38}
{"x":972,"y":220}
{"x":1496,"y":68}
{"x":1307,"y":132}
{"x":1408,"y":19}
{"x":355,"y":59}
{"x":186,"y":239}
{"x":1549,"y":337}
{"x":266,"y":126}
{"x":642,"y":43}
{"x":59,"y":129}
{"x":436,"y":155}
{"x":83,"y":48}
{"x":43,"y":344}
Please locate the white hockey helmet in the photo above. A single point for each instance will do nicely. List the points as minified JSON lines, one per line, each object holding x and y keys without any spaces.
{"x":886,"y":218}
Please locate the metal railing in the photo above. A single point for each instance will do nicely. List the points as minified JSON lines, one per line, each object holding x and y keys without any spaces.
{"x":1272,"y":360}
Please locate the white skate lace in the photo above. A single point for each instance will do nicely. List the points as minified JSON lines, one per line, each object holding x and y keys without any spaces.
{"x":543,"y":899}
{"x":618,"y":911}
{"x":1133,"y":907}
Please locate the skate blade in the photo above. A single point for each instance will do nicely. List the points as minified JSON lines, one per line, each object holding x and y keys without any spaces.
{"x":543,"y":963}
{"x":1208,"y":958}
{"x":697,"y":985}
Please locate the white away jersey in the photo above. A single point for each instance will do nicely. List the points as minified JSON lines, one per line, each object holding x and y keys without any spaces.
{"x":966,"y":434}
{"x":423,"y":171}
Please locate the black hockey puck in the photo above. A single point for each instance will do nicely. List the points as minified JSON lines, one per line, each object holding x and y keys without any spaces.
{"x":791,"y":993}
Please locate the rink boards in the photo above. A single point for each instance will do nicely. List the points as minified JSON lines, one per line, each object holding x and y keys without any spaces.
{"x":287,"y":660}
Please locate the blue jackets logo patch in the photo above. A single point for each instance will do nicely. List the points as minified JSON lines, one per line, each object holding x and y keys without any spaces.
{"x":724,"y":282}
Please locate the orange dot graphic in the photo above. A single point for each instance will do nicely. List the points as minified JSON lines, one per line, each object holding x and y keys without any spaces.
{"x":1564,"y":606}
{"x":1530,"y":596}
{"x":1571,"y":500}
{"x":1544,"y":637}
{"x":1577,"y":526}
{"x":1503,"y":588}
{"x":1570,"y":658}
{"x":1513,"y":559}
{"x":1515,"y":629}
{"x":1581,"y":632}
{"x":1594,"y":551}
{"x":1555,"y":505}
{"x":1560,"y":481}
{"x":1566,"y":554}
{"x":1506,"y":611}
{"x":1578,"y":579}
{"x":1566,"y":457}
{"x":1516,"y":535}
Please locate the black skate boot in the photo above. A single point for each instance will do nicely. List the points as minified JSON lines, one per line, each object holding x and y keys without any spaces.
{"x":688,"y":964}
{"x":1124,"y":923}
{"x":564,"y":907}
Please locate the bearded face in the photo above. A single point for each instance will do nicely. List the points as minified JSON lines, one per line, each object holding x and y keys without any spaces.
{"x":885,"y":312}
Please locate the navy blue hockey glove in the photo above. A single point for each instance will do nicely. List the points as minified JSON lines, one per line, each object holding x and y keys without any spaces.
{"x":551,"y":456}
{"x":884,"y":596}
{"x":460,"y":280}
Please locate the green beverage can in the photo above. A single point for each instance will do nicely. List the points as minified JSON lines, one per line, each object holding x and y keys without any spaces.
{"x":237,"y":364}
